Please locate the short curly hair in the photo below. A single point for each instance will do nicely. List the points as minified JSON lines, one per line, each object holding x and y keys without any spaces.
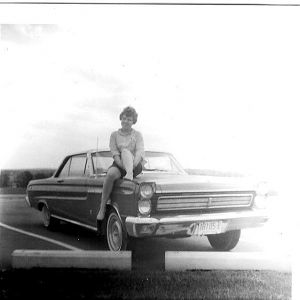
{"x":129,"y":111}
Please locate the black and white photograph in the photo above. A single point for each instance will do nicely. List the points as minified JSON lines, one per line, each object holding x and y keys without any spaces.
{"x":149,"y":150}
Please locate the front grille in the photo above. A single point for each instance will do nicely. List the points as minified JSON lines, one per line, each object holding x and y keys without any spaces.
{"x":210,"y":201}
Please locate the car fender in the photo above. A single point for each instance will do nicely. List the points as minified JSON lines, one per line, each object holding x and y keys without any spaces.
{"x":115,"y":206}
{"x":41,"y":203}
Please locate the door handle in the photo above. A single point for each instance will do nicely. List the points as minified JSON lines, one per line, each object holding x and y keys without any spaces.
{"x":60,"y":180}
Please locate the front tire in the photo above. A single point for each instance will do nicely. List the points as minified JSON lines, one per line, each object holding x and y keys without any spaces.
{"x":48,"y":221}
{"x":224,"y":241}
{"x":116,"y":236}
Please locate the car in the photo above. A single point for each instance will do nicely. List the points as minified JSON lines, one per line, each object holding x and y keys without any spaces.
{"x":163,"y":201}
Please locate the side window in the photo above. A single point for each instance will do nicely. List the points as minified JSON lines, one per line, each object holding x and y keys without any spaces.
{"x":65,"y":170}
{"x":78,"y":166}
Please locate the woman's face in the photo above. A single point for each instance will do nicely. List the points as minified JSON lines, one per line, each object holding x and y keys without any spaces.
{"x":126,"y":122}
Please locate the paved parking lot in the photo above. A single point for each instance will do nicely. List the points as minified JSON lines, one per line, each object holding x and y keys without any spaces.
{"x":22,"y":229}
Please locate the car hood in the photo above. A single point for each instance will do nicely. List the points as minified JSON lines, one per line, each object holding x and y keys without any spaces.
{"x":172,"y":183}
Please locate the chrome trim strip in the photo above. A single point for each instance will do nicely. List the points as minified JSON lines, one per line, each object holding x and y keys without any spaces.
{"x":61,"y":198}
{"x":27,"y":200}
{"x":75,"y":222}
{"x":140,"y":220}
{"x":95,"y":190}
{"x":197,"y":218}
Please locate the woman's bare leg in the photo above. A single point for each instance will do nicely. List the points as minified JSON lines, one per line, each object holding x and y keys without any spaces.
{"x":127,"y":160}
{"x":112,"y":175}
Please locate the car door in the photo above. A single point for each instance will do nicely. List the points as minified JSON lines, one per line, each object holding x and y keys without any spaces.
{"x":57,"y":204}
{"x":99,"y":163}
{"x":72,"y":188}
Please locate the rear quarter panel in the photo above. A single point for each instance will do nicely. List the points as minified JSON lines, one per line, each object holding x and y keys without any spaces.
{"x":42,"y":190}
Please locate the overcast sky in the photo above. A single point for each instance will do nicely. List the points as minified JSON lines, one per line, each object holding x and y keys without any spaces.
{"x":217,"y":86}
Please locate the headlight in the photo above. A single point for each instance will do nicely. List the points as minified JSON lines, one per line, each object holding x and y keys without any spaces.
{"x":144,"y":206}
{"x":147,"y":190}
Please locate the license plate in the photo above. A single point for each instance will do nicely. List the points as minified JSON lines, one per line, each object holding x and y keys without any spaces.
{"x":207,"y":227}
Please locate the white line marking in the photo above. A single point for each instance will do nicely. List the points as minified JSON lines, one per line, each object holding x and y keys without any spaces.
{"x":40,"y":237}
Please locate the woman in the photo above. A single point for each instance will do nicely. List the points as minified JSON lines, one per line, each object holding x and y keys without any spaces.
{"x":127,"y":148}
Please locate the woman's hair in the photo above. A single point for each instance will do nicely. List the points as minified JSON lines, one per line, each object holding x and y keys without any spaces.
{"x":129,"y":112}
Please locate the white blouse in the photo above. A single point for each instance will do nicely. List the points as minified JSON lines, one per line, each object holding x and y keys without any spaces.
{"x":132,"y":141}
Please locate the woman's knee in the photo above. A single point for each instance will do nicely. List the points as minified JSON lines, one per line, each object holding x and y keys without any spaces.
{"x":113,"y":174}
{"x":125,"y":153}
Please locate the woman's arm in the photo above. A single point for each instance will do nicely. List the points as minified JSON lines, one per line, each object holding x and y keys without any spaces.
{"x":139,"y":153}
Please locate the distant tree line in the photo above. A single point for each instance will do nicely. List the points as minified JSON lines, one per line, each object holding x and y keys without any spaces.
{"x":21,"y":178}
{"x":209,"y":172}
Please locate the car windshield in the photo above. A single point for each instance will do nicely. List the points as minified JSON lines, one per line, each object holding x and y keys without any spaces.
{"x":161,"y":162}
{"x":153,"y":162}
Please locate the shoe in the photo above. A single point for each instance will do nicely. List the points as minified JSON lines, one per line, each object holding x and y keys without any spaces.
{"x":101,"y":215}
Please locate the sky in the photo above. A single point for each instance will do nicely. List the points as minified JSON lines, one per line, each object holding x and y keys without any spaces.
{"x":217,"y":86}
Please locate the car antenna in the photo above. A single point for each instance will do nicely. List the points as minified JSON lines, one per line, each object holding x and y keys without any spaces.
{"x":96,"y":156}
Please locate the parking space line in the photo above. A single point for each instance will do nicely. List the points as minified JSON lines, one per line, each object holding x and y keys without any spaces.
{"x":40,"y":237}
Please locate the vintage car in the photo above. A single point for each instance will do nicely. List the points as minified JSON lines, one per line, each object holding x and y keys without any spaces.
{"x":163,"y":201}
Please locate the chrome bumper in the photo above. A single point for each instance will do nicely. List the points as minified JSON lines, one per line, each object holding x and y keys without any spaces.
{"x":181,"y":224}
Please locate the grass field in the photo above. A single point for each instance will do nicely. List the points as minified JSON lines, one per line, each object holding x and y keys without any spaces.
{"x":82,"y":284}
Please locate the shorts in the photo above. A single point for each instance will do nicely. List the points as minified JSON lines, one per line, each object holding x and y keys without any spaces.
{"x":136,"y":171}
